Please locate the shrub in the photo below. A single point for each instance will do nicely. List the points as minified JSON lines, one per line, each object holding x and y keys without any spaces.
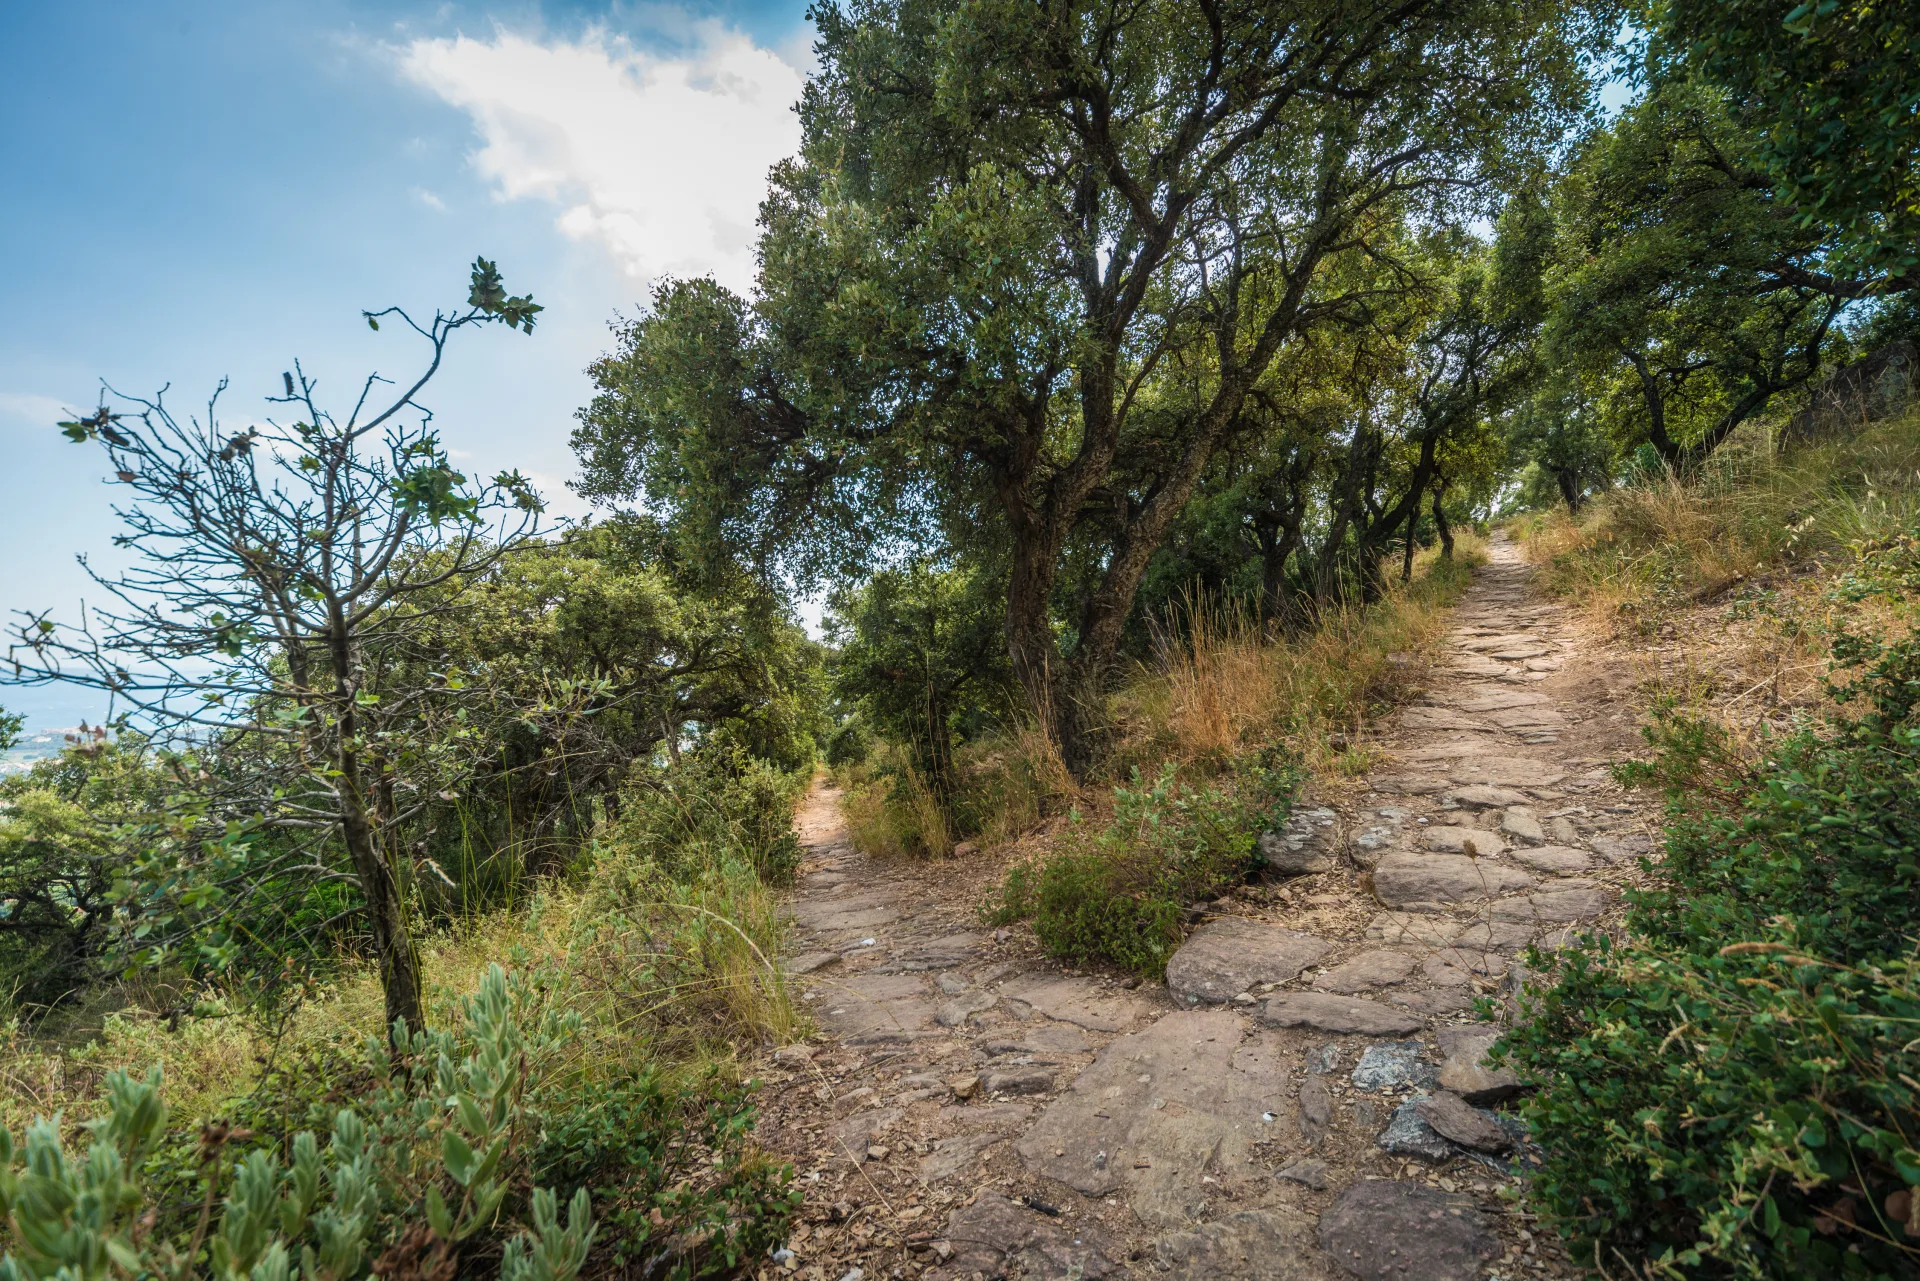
{"x":434,"y":1149}
{"x":681,"y":1194}
{"x":1733,"y":1090}
{"x":1122,"y":894}
{"x":710,"y":808}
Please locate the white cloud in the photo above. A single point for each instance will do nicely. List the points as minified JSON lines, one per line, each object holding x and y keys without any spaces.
{"x":660,"y":159}
{"x":430,"y":200}
{"x":32,"y":410}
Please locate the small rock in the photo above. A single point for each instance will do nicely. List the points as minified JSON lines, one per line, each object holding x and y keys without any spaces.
{"x":1390,"y":1230}
{"x":956,"y":1012}
{"x":965,"y":849}
{"x":1397,"y":1065}
{"x":808,"y":962}
{"x":1233,"y":955}
{"x":1453,"y":1118}
{"x":1409,"y":1134}
{"x":878,"y":1152}
{"x":1308,"y":1171}
{"x":963,"y":1087}
{"x":1304,"y":845}
{"x":1130,"y":982}
{"x":1324,"y":1059}
{"x":1001,"y":936}
{"x":1316,"y":1110}
{"x":793,"y":1055}
{"x":1558,"y":859}
{"x":953,"y":984}
{"x":1464,"y":1070}
{"x":1032,"y":1081}
{"x":1470,"y":841}
{"x":1563,"y":831}
{"x":1522,"y":825}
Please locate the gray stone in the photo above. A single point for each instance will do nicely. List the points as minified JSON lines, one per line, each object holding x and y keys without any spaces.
{"x":860,"y":912}
{"x":1306,"y":1171}
{"x":1621,"y":848}
{"x":1078,"y":1001}
{"x":954,"y":1154}
{"x":956,"y":1012}
{"x":1464,"y":1070}
{"x":936,"y":954}
{"x":1432,"y":1001}
{"x":1458,"y":965}
{"x":1452,"y":1117}
{"x":869,"y":1005}
{"x":1557,"y":905}
{"x":1483,"y":797}
{"x":1507,"y":771}
{"x":1397,"y":1065}
{"x":996,"y":1237}
{"x":1306,"y":844}
{"x":1407,"y":784}
{"x":1464,"y":840}
{"x":1048,"y":1038}
{"x":860,"y":1129}
{"x":1023,"y":1081}
{"x":1562,"y":830}
{"x":1338,"y":1014}
{"x":953,"y":984}
{"x":1379,"y":968}
{"x":1404,"y":878}
{"x":985,"y":1116}
{"x":808,"y":962}
{"x":1498,"y":700}
{"x":1415,"y":929}
{"x":1323,"y":1060}
{"x":1409,"y":1134}
{"x":1183,"y":1099}
{"x":1316,"y":1110}
{"x":1388,"y":1230}
{"x":1253,"y":1245}
{"x":1559,"y":860}
{"x":1232,"y":955}
{"x":1523,"y":825}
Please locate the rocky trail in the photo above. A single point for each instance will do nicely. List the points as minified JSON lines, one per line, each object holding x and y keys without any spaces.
{"x":1304,"y":1098}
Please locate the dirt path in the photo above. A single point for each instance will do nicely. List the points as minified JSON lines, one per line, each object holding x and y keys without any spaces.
{"x":1304,"y":1098}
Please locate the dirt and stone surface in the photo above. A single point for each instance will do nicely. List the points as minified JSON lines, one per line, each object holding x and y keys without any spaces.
{"x":1305,"y":1097}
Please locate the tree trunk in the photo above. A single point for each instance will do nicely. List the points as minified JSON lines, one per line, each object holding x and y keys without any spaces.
{"x":386,"y":907}
{"x":1569,"y":489}
{"x":1440,"y":523}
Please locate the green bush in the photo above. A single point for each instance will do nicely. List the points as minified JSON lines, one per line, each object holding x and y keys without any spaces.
{"x":712,"y":807}
{"x":681,"y":1192}
{"x":1121,"y":895}
{"x":1735,"y":1091}
{"x":428,"y":1160}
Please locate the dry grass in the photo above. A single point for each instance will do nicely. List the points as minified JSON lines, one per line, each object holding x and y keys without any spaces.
{"x":1220,"y":688}
{"x":681,"y":979}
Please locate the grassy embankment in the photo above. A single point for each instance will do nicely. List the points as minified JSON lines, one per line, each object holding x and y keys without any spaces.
{"x":1733,"y":1088}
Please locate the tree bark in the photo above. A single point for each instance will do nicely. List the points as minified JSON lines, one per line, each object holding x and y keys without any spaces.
{"x":1440,"y":523}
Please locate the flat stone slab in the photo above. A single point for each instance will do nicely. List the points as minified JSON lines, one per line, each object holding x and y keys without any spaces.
{"x":1226,"y":957}
{"x":1557,"y":905}
{"x":868,"y":1003}
{"x":1379,"y":968}
{"x":985,"y":1116}
{"x":1414,"y":929}
{"x":861,"y":912}
{"x":1387,"y":1230}
{"x":808,"y":962}
{"x":1464,"y":1069}
{"x":1048,"y":1038}
{"x":998,"y":1237}
{"x":1407,"y":784}
{"x":1403,"y":877}
{"x":1163,"y":1109}
{"x":1481,"y":796}
{"x":1396,"y":1065}
{"x":1078,"y":1001}
{"x":939,"y":954}
{"x":955,"y":1153}
{"x":1253,"y":1245}
{"x":1507,"y":771}
{"x":1527,"y":718}
{"x":1557,"y":859}
{"x":1498,"y":700}
{"x":1338,"y":1014}
{"x":1463,"y":840}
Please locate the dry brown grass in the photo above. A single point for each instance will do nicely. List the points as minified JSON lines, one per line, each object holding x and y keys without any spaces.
{"x":1220,"y":688}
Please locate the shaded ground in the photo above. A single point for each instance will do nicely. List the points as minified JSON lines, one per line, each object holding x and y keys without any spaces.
{"x":1305,"y":1097}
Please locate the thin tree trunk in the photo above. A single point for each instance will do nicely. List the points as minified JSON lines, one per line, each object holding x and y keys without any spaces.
{"x":1440,"y":523}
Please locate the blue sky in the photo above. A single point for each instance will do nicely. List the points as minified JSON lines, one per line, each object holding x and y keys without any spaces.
{"x":202,"y":190}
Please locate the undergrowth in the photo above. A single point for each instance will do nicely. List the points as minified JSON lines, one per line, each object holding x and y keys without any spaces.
{"x":1733,"y":1089}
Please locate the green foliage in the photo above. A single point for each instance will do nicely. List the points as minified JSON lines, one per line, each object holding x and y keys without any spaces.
{"x":1829,"y":86}
{"x":1731,"y":1092}
{"x":713,"y":808}
{"x":436,"y":1140}
{"x":680,"y":1191}
{"x":1121,"y":895}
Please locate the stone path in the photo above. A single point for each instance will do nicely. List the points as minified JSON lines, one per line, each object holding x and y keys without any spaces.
{"x":1305,"y":1098}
